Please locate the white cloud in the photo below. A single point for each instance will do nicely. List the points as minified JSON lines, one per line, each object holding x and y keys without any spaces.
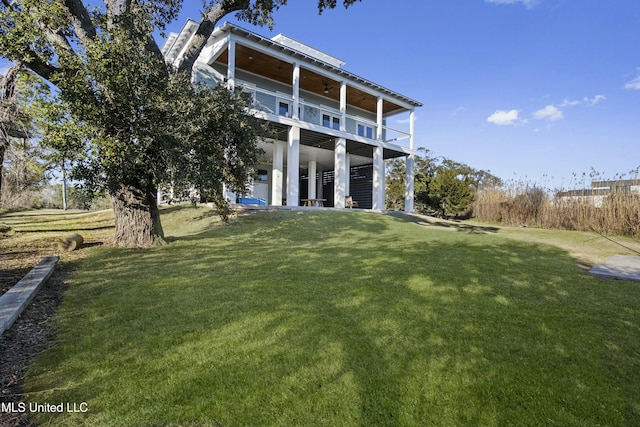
{"x":458,"y":111}
{"x":528,"y":3}
{"x":505,"y":118}
{"x":590,"y":102}
{"x":635,"y":83}
{"x":550,"y":112}
{"x":568,"y":103}
{"x":595,"y":100}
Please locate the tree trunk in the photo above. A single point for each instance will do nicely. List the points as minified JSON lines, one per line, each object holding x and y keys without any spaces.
{"x":4,"y":142}
{"x":137,"y":217}
{"x":8,"y":110}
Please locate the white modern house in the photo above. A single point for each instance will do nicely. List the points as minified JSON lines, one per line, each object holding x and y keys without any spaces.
{"x":599,"y":191}
{"x":334,"y":129}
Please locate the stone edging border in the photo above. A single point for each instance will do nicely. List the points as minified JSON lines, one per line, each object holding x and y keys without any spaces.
{"x":16,"y":299}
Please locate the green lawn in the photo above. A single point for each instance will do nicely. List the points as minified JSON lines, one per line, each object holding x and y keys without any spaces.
{"x":341,"y":319}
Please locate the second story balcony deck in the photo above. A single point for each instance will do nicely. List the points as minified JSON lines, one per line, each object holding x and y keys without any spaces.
{"x":294,"y":84}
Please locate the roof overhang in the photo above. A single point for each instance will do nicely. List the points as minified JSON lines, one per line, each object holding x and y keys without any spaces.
{"x":360,"y":87}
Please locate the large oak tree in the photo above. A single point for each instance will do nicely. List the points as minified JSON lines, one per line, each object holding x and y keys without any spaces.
{"x":143,"y":122}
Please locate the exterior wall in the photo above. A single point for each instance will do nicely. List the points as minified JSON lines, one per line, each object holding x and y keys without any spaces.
{"x":204,"y":74}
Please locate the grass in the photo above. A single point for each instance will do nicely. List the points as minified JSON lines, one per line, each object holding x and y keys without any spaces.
{"x":27,"y":236}
{"x":342,"y":318}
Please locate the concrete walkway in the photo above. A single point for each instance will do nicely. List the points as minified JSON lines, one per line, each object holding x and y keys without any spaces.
{"x":620,"y":266}
{"x":16,"y":299}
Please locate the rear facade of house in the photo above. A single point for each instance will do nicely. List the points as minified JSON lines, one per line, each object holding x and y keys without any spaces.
{"x":332,"y":127}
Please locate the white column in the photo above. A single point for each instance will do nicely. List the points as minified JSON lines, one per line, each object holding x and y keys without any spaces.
{"x":340,"y":173}
{"x":409,"y":180}
{"x":312,"y":179}
{"x":378,"y":178}
{"x":412,"y":128}
{"x":343,"y":106}
{"x":296,"y":91}
{"x":293,"y":167}
{"x":231,"y":64}
{"x":347,"y":181}
{"x":277,"y":173}
{"x":379,"y":118}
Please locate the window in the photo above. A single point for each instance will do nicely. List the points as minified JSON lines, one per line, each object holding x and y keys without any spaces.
{"x":366,"y":131}
{"x":331,"y":121}
{"x":310,"y":112}
{"x":262,"y":175}
{"x":284,"y":109}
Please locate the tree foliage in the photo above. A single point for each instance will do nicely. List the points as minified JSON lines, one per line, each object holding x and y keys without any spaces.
{"x":24,"y":162}
{"x":442,"y":186}
{"x":450,"y":191}
{"x":140,"y":123}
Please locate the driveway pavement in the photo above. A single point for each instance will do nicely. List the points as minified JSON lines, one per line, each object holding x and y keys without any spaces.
{"x":620,"y":266}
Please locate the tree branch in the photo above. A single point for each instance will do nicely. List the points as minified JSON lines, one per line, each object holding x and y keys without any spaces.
{"x":118,"y":7}
{"x":209,"y":21}
{"x":81,"y":21}
{"x":56,"y":38}
{"x":40,"y":67}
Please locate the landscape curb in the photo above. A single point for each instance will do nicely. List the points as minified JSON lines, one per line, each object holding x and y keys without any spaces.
{"x":16,"y":299}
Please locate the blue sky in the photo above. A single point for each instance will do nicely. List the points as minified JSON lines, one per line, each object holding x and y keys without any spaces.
{"x":535,"y":90}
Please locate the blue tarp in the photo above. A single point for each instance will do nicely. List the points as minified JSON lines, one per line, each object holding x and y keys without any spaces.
{"x":251,"y":201}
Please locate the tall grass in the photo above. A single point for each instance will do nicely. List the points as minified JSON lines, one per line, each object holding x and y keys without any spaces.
{"x":521,"y":203}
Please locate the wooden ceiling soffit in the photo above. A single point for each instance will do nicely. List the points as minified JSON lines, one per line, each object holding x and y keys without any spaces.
{"x":259,"y":63}
{"x":319,"y":85}
{"x":265,"y":65}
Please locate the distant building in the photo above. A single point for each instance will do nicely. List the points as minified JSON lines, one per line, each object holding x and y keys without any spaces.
{"x":600,"y":190}
{"x":333,"y":127}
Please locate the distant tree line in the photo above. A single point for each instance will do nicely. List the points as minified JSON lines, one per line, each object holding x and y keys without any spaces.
{"x":443,"y":187}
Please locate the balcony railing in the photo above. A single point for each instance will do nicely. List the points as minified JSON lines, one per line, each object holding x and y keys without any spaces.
{"x":281,"y":104}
